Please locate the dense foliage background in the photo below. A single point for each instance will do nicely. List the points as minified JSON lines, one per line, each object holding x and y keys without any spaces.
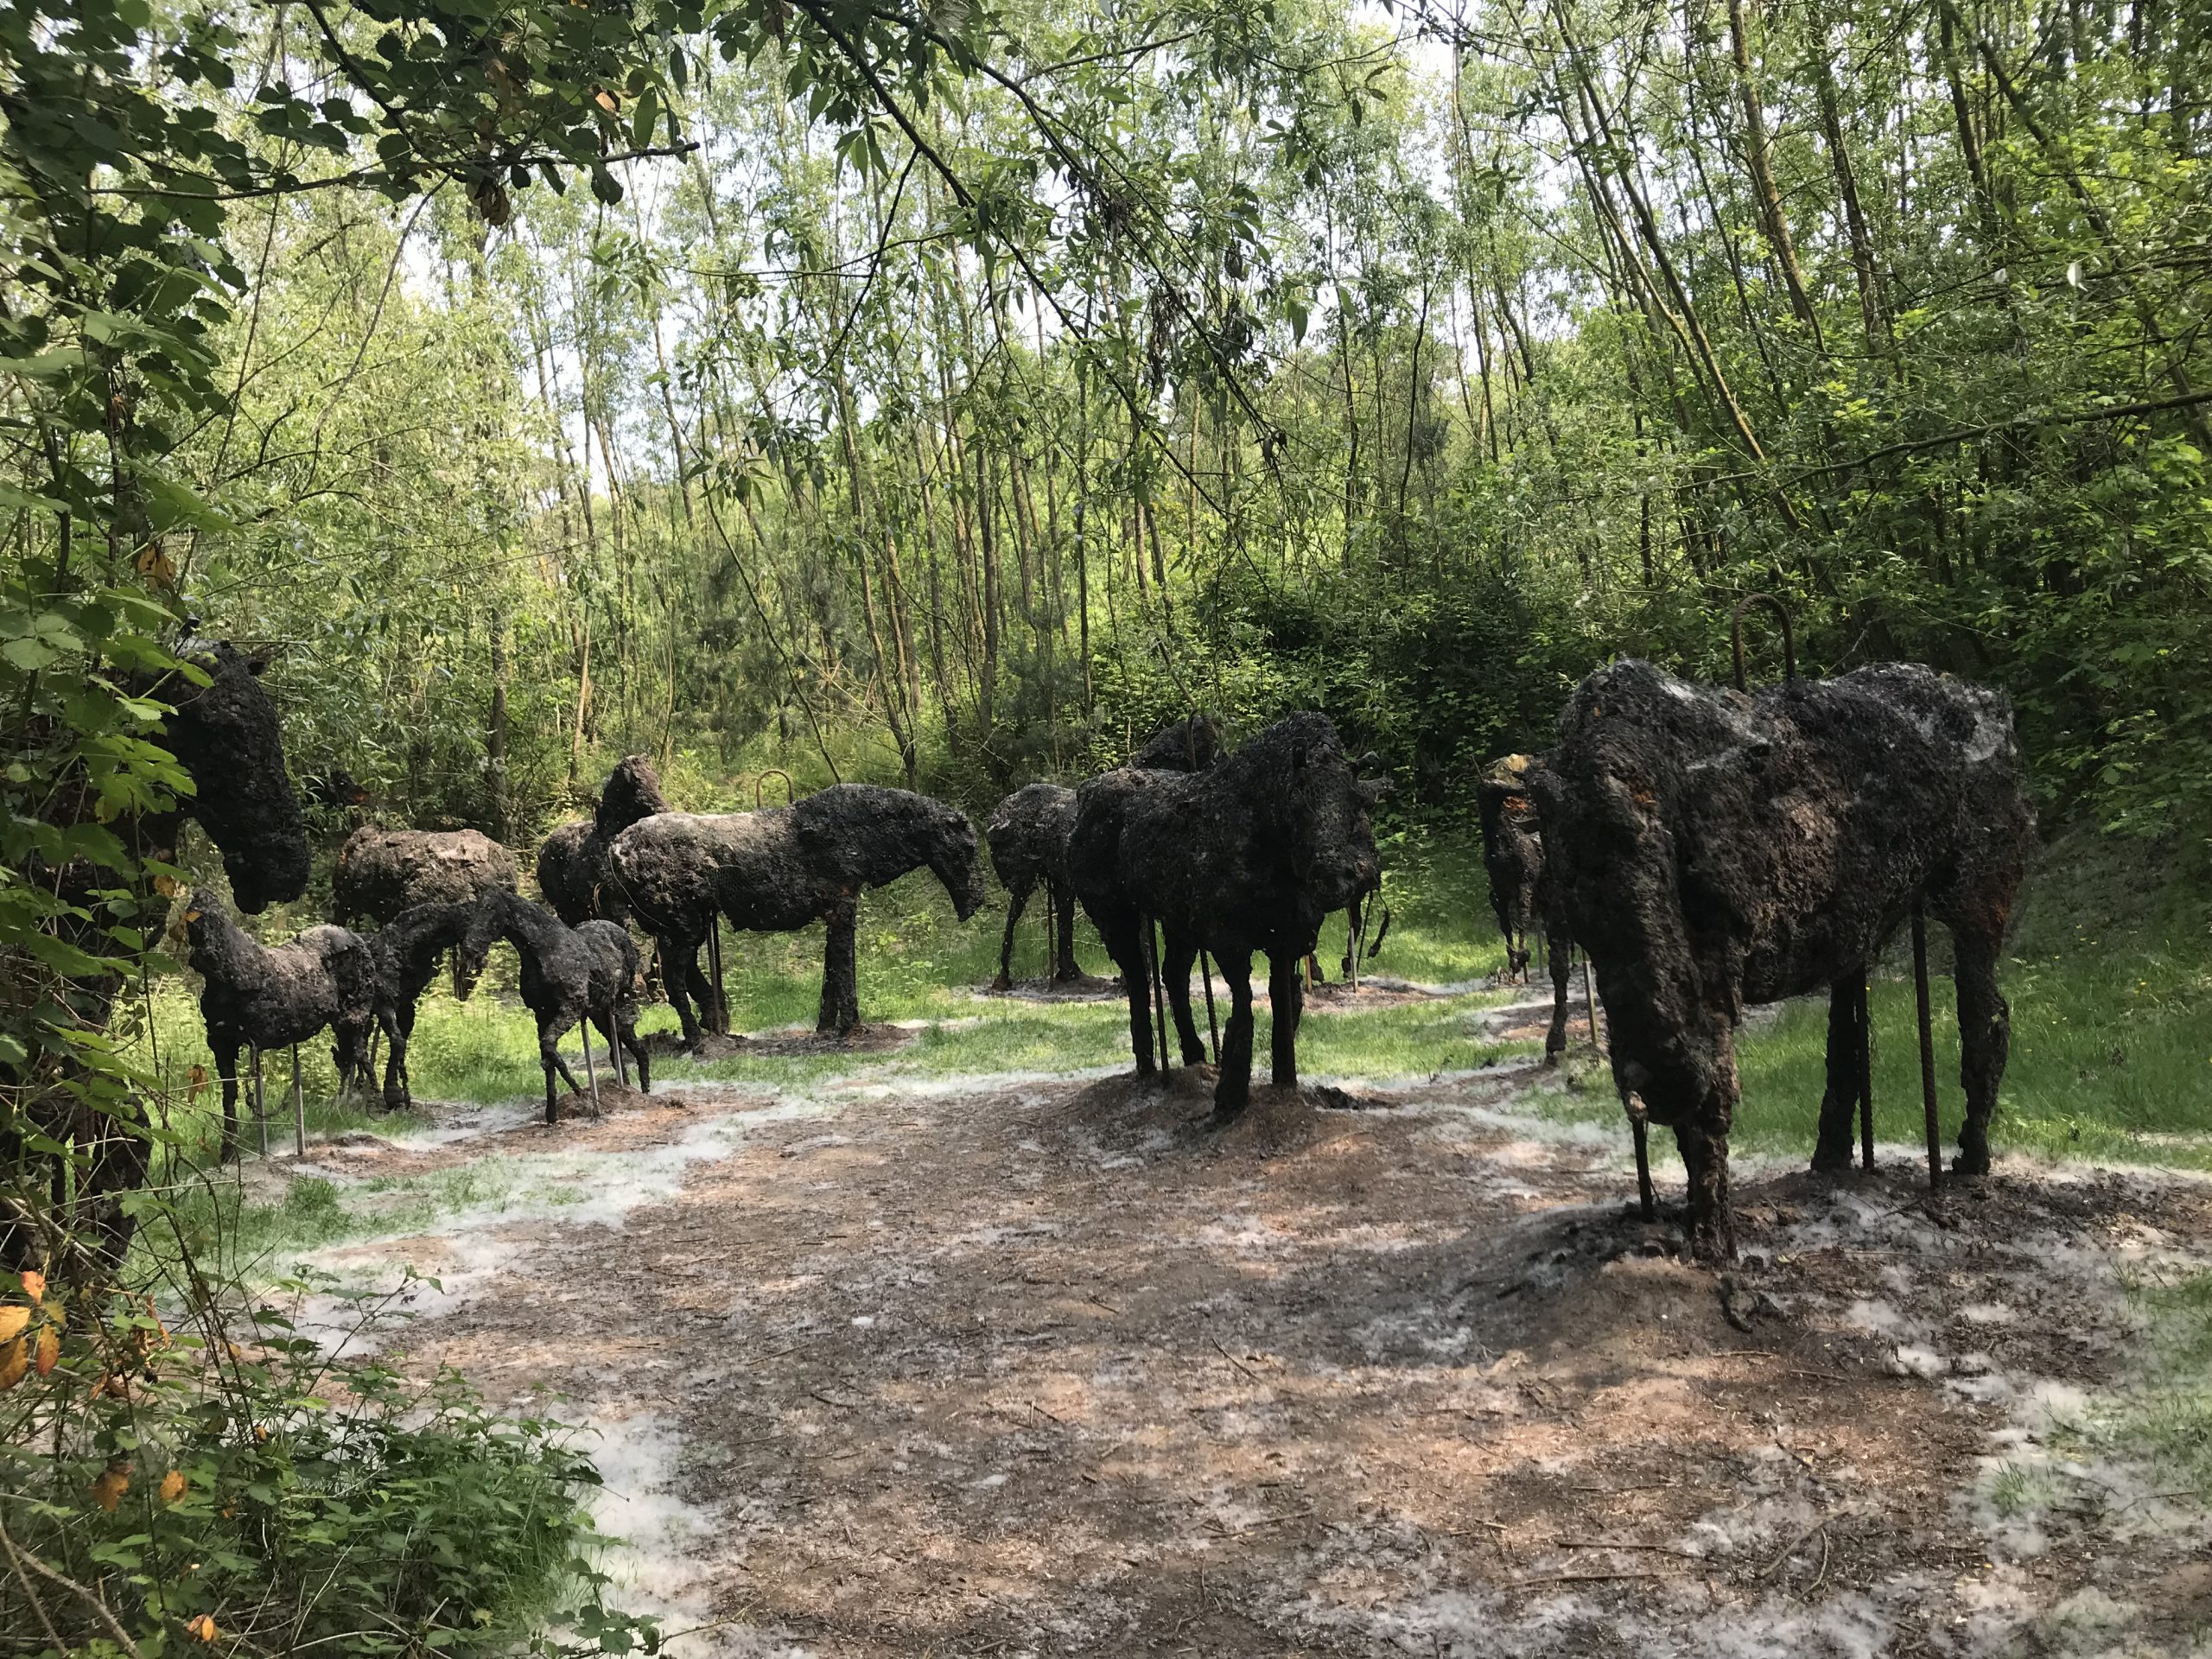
{"x":1402,"y":363}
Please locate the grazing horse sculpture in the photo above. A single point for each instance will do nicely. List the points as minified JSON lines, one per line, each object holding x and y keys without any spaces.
{"x":258,"y":997}
{"x":572,"y":863}
{"x":570,"y":975}
{"x":408,"y":950}
{"x":776,"y":870}
{"x":383,"y":872}
{"x":1712,"y":849}
{"x":1249,"y":855}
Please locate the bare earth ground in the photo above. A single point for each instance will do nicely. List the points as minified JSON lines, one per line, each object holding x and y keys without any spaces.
{"x":1050,"y":1366}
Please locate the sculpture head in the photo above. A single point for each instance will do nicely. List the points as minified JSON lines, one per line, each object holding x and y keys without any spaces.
{"x":632,"y":792}
{"x":487,"y":924}
{"x":1189,"y":745}
{"x":956,"y":861}
{"x":225,"y":735}
{"x":1326,"y":807}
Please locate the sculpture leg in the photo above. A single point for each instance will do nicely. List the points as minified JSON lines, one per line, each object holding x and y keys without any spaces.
{"x":1286,"y":1000}
{"x":1985,"y":1038}
{"x":1232,"y":1090}
{"x":840,"y":991}
{"x":1711,"y":1220}
{"x":625,"y":1029}
{"x":717,"y":1002}
{"x":1560,"y":951}
{"x":1846,"y":1018}
{"x":1017,"y":900}
{"x":1178,"y":955}
{"x":1065,"y":968}
{"x":679,"y":975}
{"x":1119,"y":935}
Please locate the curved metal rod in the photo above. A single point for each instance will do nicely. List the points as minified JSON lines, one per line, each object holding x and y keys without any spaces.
{"x":1736,"y":635}
{"x":791,"y":792}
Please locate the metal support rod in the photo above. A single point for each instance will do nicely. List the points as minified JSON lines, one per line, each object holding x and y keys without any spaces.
{"x":621,"y":1059}
{"x":591,"y":1075}
{"x":1589,"y":999}
{"x":260,"y":1106}
{"x":1213,"y":1030}
{"x":299,"y":1108}
{"x":1927,"y":1047}
{"x":1639,"y":1130}
{"x":721,"y":1009}
{"x":1865,"y":1059}
{"x":1736,"y":635}
{"x":1157,"y":990}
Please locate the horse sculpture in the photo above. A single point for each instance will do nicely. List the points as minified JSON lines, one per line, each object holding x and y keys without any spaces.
{"x":1713,"y":849}
{"x":1029,"y":838}
{"x":383,"y":872}
{"x":1249,"y":855}
{"x":258,"y":997}
{"x":226,"y":739}
{"x":408,"y":950}
{"x":776,"y":870}
{"x":570,"y":975}
{"x":572,"y":863}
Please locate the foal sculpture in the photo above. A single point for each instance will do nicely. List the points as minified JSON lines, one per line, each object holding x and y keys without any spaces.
{"x":408,"y":950}
{"x":1246,"y":856}
{"x":1711,"y":848}
{"x":258,"y":997}
{"x":776,"y":870}
{"x":570,"y":975}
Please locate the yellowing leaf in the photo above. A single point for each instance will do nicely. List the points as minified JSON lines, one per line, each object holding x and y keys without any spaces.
{"x":49,"y":1351}
{"x":35,"y":1287}
{"x":15,"y":1360}
{"x":606,"y":101}
{"x":203,"y":1628}
{"x":12,"y":1321}
{"x":172,"y":1485}
{"x":108,"y":1490}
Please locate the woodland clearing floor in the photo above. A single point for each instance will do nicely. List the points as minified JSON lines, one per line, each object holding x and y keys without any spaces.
{"x":1003,"y":1366}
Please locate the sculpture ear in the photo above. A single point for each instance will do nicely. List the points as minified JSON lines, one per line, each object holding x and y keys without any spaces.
{"x":1298,"y":757}
{"x":255,"y":665}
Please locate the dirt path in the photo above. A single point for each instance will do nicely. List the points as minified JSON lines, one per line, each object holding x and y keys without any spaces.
{"x":1049,"y":1368}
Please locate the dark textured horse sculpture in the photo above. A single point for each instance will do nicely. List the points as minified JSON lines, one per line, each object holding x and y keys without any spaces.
{"x":227,"y":738}
{"x":569,"y":975}
{"x":1029,"y":838}
{"x":258,"y":997}
{"x":383,"y":872}
{"x":1713,"y":850}
{"x":1513,"y":854}
{"x":1246,"y":856}
{"x":776,"y":870}
{"x":572,"y":863}
{"x":408,"y":950}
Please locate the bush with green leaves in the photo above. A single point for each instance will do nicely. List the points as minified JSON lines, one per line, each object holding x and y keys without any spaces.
{"x":225,"y":1481}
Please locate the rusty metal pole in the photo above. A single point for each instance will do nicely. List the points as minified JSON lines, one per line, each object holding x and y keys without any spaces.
{"x":260,"y":1106}
{"x":1589,"y":998}
{"x":1639,"y":1128}
{"x":1927,"y":1047}
{"x":1865,"y":1008}
{"x":299,"y":1108}
{"x":1213,"y":1028}
{"x":1157,"y":990}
